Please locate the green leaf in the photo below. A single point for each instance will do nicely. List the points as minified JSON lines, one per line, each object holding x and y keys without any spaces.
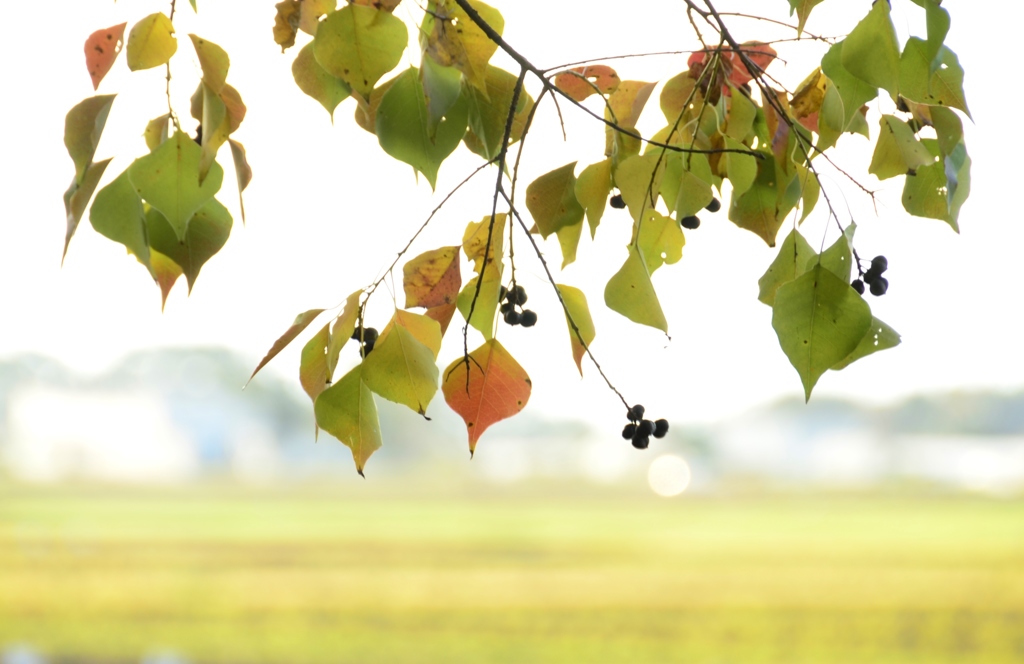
{"x":794,"y":258}
{"x":214,"y":62}
{"x":631,"y":293}
{"x":949,"y":128}
{"x":947,"y":83}
{"x":442,"y":87}
{"x":168,"y":179}
{"x":317,"y":82}
{"x":486,"y":303}
{"x":76,"y":198}
{"x":347,"y":411}
{"x":83,"y":127}
{"x":838,"y":259}
{"x":694,"y":192}
{"x":592,"y":189}
{"x":853,"y":93}
{"x":878,"y":337}
{"x":897,"y":151}
{"x":488,"y":113}
{"x":820,"y":320}
{"x":403,"y":129}
{"x":741,"y":169}
{"x":151,"y":42}
{"x":578,"y":315}
{"x":344,"y":326}
{"x":117,"y":214}
{"x":207,"y":233}
{"x":551,"y":200}
{"x":569,"y":242}
{"x":156,"y":131}
{"x":401,"y":368}
{"x":661,"y":240}
{"x":937,"y":191}
{"x":803,"y":10}
{"x":810,"y":191}
{"x":757,"y":209}
{"x":742,"y":113}
{"x":300,"y":323}
{"x":872,"y":53}
{"x":360,"y":44}
{"x":193,"y":3}
{"x":313,"y":374}
{"x":243,"y":172}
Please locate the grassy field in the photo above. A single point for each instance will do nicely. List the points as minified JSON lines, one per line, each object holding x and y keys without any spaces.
{"x":231,"y":575}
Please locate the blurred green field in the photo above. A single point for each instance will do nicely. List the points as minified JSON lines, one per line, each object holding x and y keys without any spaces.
{"x":233,"y":575}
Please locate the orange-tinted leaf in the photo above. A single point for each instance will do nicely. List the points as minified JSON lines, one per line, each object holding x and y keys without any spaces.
{"x":497,"y":388}
{"x":310,"y":12}
{"x":759,"y":53}
{"x":578,"y":314}
{"x":167,"y":273}
{"x":300,"y":323}
{"x":433,"y":278}
{"x":101,"y":49}
{"x":581,"y":82}
{"x":443,"y":315}
{"x":286,"y":23}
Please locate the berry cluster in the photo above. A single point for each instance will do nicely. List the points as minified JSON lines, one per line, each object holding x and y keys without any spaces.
{"x":368,"y":337}
{"x":512,"y":299}
{"x":639,"y":430}
{"x":693,"y":221}
{"x":873,"y":277}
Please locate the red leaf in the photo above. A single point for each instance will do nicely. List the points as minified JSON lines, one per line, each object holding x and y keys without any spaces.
{"x":497,"y":388}
{"x":581,"y":82}
{"x":759,"y":53}
{"x":101,"y":49}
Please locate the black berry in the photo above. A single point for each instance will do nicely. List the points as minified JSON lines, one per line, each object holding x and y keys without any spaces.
{"x":660,"y":428}
{"x":629,"y":431}
{"x":858,"y":286}
{"x":879,"y":286}
{"x":690,"y":222}
{"x":528,"y":318}
{"x":646,"y":427}
{"x":368,"y":335}
{"x":879,"y":264}
{"x":513,"y":317}
{"x":507,"y":307}
{"x":517,"y":295}
{"x":641,"y":442}
{"x":636,"y":413}
{"x":871,"y":276}
{"x":617,"y":202}
{"x":714,"y":206}
{"x":367,"y":348}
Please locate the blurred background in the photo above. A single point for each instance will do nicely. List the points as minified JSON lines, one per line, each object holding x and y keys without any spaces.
{"x":152,"y":511}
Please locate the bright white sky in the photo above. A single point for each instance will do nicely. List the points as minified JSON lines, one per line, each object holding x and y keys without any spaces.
{"x":327,"y":210}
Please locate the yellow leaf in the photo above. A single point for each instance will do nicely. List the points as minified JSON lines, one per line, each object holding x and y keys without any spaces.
{"x":151,"y":42}
{"x":432,"y":278}
{"x":578,"y":314}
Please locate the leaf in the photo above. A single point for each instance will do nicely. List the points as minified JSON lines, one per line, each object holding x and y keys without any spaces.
{"x":443,"y":315}
{"x":794,"y":257}
{"x":897,"y":151}
{"x":101,"y":49}
{"x":344,"y":326}
{"x":871,"y":51}
{"x":300,"y":323}
{"x":214,"y":62}
{"x":151,"y":42}
{"x":879,"y":337}
{"x":386,"y":5}
{"x":166,"y":272}
{"x":403,"y":128}
{"x":760,"y":55}
{"x":442,"y":87}
{"x":741,"y":169}
{"x":624,"y":108}
{"x":838,"y":258}
{"x":207,"y":233}
{"x":819,"y":320}
{"x":631,"y":293}
{"x":220,"y":115}
{"x":803,"y":10}
{"x":757,"y":209}
{"x":581,"y":82}
{"x":366,"y":111}
{"x":551,"y":200}
{"x":401,"y":368}
{"x":433,"y":278}
{"x":347,"y":411}
{"x":359,"y":45}
{"x":243,"y":172}
{"x":488,"y":388}
{"x":317,"y":82}
{"x":488,"y":113}
{"x":452,"y":39}
{"x":592,"y":189}
{"x":286,"y":23}
{"x":83,"y":127}
{"x":117,"y":214}
{"x":569,"y":242}
{"x":852,"y":91}
{"x":486,"y":303}
{"x":156,"y":131}
{"x":313,"y":375}
{"x":474,"y":241}
{"x":810,"y":190}
{"x":947,"y":83}
{"x":638,"y":182}
{"x":310,"y":12}
{"x":76,"y":198}
{"x":661,"y":240}
{"x":578,"y":315}
{"x":931,"y":193}
{"x":422,"y":328}
{"x":809,"y":97}
{"x":679,"y":91}
{"x":742,"y":113}
{"x":694,"y":191}
{"x":168,"y":179}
